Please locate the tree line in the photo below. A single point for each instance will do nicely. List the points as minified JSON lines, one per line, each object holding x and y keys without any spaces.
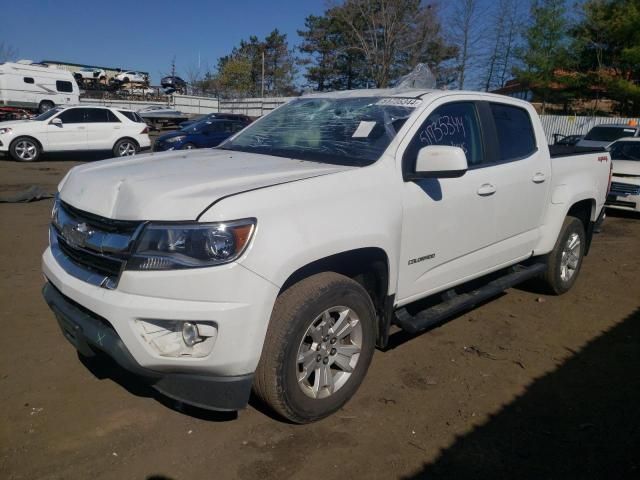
{"x":561,"y":52}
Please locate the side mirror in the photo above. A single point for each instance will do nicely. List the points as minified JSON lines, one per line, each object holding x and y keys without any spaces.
{"x":439,"y":161}
{"x":57,"y":122}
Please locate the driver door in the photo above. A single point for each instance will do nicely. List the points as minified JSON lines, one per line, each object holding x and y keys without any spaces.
{"x":448,"y":223}
{"x":71,"y":134}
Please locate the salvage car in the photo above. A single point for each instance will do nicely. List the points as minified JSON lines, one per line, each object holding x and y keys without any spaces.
{"x":74,"y":129}
{"x":625,"y":184}
{"x":602,"y":136}
{"x":90,"y":73}
{"x":278,"y":261}
{"x":131,"y":76}
{"x":204,"y":134}
{"x":219,"y":116}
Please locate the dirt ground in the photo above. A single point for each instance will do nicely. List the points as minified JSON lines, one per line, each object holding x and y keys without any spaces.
{"x":527,"y":386}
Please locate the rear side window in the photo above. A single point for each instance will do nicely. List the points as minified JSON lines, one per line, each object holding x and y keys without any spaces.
{"x":28,"y":80}
{"x":63,"y":86}
{"x":454,"y":124}
{"x":133,"y":116}
{"x":100,"y":115}
{"x":515,"y":131}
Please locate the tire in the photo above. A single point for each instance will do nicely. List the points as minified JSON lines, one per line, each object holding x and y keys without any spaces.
{"x":125,"y":147}
{"x":25,"y":149}
{"x":188,"y":146}
{"x":300,"y":334}
{"x":45,"y":106}
{"x":125,"y":80}
{"x":565,"y":260}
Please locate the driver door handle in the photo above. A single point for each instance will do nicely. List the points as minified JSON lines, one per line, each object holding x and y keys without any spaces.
{"x":539,"y":178}
{"x":486,"y":189}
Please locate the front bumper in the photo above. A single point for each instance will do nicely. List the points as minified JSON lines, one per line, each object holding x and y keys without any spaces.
{"x":89,"y":333}
{"x":231,"y":297}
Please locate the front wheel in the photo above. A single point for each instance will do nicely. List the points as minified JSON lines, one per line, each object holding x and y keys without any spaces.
{"x":25,"y":149}
{"x":565,"y":260}
{"x":125,"y":148}
{"x":318,"y":347}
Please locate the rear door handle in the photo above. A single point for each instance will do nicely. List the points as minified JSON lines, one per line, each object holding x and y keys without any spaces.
{"x":486,"y":189}
{"x":539,"y":177}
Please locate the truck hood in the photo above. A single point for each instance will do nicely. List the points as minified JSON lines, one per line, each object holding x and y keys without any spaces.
{"x":177,"y":185}
{"x":626,"y":167}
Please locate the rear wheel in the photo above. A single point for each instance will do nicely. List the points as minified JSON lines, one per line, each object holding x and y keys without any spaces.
{"x":318,"y":347}
{"x":565,"y":260}
{"x":125,"y":148}
{"x":188,"y":146}
{"x":25,"y":149}
{"x":45,"y":106}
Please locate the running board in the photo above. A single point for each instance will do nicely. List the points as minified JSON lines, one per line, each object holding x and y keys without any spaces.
{"x":455,"y":303}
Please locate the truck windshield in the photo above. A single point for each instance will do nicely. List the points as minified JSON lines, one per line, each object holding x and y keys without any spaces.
{"x":609,"y":134}
{"x":345,"y":131}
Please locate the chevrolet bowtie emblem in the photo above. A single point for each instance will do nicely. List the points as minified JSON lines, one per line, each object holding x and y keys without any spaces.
{"x":77,"y":235}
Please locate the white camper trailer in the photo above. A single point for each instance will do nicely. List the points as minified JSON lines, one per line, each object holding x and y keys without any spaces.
{"x":36,"y":87}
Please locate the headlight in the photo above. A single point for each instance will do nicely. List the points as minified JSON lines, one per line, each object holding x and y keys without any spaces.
{"x":175,"y":139}
{"x":5,"y":130}
{"x":176,"y":246}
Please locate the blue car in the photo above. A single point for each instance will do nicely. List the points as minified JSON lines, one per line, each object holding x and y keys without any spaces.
{"x":204,"y":134}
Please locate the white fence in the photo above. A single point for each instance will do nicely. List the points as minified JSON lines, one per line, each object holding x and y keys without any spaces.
{"x":254,"y":107}
{"x":575,"y":125}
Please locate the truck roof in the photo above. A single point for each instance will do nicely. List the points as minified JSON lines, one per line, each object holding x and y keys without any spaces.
{"x":411,"y":93}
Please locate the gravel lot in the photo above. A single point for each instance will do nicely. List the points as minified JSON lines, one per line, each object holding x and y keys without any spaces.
{"x":525,"y":386}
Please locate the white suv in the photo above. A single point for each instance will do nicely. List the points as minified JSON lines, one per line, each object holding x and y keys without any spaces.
{"x":75,"y":128}
{"x":132,"y":77}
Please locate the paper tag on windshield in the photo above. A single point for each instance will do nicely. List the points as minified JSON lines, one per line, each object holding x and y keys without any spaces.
{"x":399,"y":102}
{"x":364,"y":129}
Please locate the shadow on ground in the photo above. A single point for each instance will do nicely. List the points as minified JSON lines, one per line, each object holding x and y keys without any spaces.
{"x":580,"y":421}
{"x":104,"y":368}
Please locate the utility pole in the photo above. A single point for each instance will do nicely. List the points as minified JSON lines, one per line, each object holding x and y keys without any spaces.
{"x":262,"y":95}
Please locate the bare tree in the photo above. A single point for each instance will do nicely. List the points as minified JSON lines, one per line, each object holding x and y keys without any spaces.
{"x":467,"y":34}
{"x":510,"y":40}
{"x":7,"y":52}
{"x":194,"y":75}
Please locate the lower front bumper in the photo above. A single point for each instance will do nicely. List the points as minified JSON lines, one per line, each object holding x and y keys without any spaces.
{"x":89,"y":333}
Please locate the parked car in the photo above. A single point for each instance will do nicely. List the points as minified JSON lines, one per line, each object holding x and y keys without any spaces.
{"x":279,"y":260}
{"x":625,"y":181}
{"x":218,"y":116}
{"x":205,"y":134}
{"x":174,"y":83}
{"x":89,"y":73}
{"x":602,"y":136}
{"x":36,"y":87}
{"x":77,"y":129}
{"x":131,"y":76}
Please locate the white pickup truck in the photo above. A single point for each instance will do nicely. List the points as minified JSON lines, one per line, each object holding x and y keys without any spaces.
{"x":278,"y":261}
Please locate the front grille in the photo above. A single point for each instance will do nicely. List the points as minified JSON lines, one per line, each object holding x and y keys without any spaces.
{"x":101,"y":223}
{"x":107,"y":266}
{"x":90,"y":247}
{"x":624,"y":189}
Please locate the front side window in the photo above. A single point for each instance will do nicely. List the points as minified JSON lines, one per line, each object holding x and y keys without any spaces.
{"x":63,"y":86}
{"x":28,"y":80}
{"x":514,"y":130}
{"x":345,"y":131}
{"x":453,"y":124}
{"x":73,"y":115}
